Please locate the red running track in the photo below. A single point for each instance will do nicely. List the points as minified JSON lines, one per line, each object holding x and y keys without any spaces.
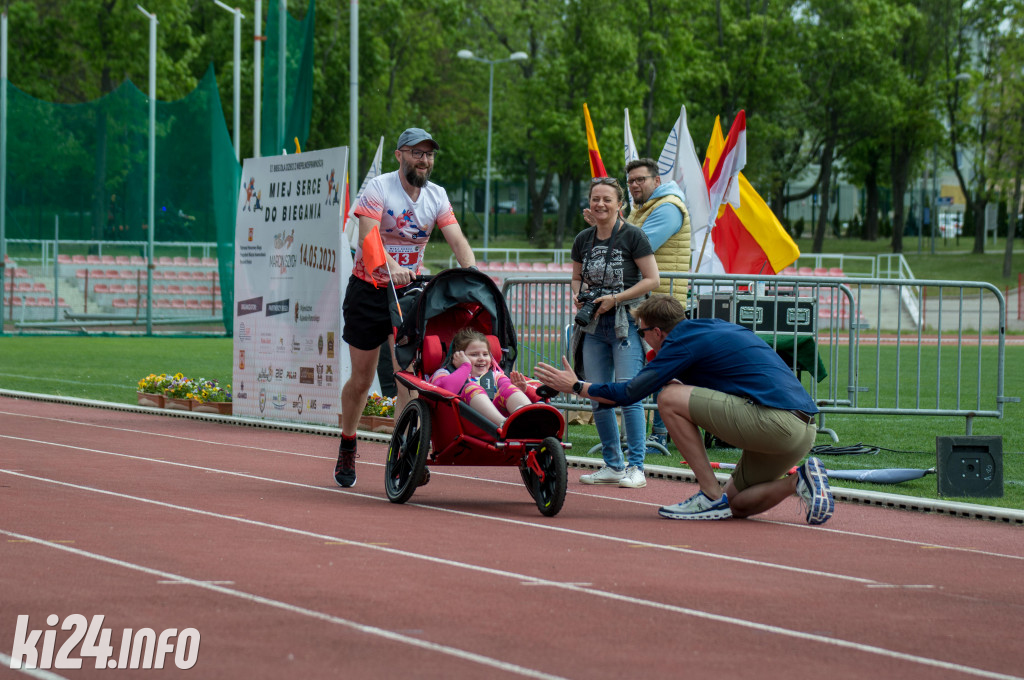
{"x":240,"y":533}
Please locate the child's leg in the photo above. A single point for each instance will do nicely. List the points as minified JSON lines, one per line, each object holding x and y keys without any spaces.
{"x":478,"y":400}
{"x":510,"y":399}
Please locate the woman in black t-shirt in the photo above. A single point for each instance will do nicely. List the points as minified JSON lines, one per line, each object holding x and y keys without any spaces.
{"x":614,"y":267}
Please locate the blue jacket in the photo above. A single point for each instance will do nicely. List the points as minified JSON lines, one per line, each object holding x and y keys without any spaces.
{"x":720,"y":356}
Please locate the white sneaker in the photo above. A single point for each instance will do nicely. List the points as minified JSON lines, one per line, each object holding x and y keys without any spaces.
{"x":698,"y":506}
{"x":813,"y":490}
{"x":606,"y":475}
{"x":634,"y":478}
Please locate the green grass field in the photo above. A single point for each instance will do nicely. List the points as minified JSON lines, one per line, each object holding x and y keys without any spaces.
{"x":107,"y":369}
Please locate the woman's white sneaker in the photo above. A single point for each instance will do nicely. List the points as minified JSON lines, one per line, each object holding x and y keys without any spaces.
{"x":606,"y":475}
{"x":634,"y":478}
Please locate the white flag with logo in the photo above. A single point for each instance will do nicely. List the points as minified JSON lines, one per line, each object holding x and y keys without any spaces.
{"x":630,"y":146}
{"x":351,"y":223}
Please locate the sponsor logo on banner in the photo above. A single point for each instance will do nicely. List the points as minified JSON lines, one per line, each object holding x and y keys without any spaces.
{"x":306,"y":375}
{"x":326,"y":406}
{"x":279,"y":307}
{"x":330,"y":344}
{"x":263,"y":399}
{"x":250,"y":306}
{"x":312,"y":404}
{"x":330,"y":375}
{"x":297,"y":404}
{"x":241,"y":394}
{"x":241,"y":359}
{"x":320,"y":344}
{"x":265,"y":375}
{"x":279,"y":374}
{"x":244,"y":333}
{"x":279,"y":401}
{"x":305,"y":313}
{"x":319,"y":375}
{"x":296,"y":347}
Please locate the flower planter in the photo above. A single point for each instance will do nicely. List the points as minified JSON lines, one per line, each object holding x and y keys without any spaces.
{"x":380,"y":424}
{"x":221,"y":407}
{"x":178,"y":403}
{"x":151,"y":400}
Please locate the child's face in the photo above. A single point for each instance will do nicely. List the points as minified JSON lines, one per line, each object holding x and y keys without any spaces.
{"x":479,"y":356}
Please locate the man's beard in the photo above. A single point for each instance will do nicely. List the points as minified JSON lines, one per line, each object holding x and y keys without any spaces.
{"x":414,"y":178}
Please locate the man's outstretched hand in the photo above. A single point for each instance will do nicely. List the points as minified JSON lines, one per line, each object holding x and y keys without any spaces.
{"x":561,"y":380}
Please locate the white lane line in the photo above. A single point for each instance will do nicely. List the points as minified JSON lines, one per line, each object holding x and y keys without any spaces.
{"x":5,"y":662}
{"x":573,"y":532}
{"x":295,"y":609}
{"x":523,"y":578}
{"x":843,"y":532}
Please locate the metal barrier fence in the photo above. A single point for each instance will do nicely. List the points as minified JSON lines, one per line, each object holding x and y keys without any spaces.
{"x":859,"y":345}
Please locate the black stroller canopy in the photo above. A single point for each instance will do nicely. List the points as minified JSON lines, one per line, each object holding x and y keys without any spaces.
{"x":468,"y":290}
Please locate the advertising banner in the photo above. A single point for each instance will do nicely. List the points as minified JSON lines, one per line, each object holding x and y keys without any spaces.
{"x":290,"y":269}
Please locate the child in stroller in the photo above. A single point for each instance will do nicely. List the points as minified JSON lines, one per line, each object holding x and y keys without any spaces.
{"x":473,"y":374}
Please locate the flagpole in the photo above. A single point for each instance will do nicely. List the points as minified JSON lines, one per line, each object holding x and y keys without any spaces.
{"x":394,"y":291}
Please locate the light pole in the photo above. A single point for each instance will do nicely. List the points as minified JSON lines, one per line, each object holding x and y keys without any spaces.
{"x":152,"y":167}
{"x":515,"y":56}
{"x":237,"y":105}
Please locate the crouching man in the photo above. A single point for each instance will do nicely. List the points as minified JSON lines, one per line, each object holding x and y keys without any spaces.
{"x":720,"y":377}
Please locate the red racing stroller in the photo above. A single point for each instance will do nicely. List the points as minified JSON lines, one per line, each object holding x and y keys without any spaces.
{"x":437,"y":427}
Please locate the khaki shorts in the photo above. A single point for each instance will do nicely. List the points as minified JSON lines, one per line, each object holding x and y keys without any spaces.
{"x":773,"y":440}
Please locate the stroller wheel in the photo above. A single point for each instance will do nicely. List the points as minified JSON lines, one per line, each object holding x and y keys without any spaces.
{"x":549,"y":493}
{"x":407,"y":453}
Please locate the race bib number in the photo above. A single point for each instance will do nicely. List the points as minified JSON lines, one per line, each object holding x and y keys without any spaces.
{"x":407,"y":256}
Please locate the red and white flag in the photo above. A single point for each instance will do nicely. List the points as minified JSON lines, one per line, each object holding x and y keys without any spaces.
{"x":723,"y":184}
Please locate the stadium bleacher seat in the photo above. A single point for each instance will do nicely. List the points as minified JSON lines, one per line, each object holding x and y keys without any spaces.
{"x":137,"y":261}
{"x":93,"y":259}
{"x":63,"y":259}
{"x":78,"y":259}
{"x":123,"y":260}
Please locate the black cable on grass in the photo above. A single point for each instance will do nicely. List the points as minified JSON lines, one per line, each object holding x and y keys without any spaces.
{"x":858,"y":449}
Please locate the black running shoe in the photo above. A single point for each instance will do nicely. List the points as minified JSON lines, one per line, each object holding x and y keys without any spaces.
{"x":345,"y":470}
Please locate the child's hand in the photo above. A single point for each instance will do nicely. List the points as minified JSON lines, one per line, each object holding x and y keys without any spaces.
{"x":518,"y":379}
{"x":459,"y":358}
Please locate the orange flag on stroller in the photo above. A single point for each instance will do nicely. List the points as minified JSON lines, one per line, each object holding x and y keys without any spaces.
{"x":373,"y":252}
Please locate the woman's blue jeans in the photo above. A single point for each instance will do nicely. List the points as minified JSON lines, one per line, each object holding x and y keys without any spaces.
{"x":607,"y":359}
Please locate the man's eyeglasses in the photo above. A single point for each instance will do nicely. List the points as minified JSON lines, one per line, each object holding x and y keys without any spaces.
{"x":420,"y":153}
{"x":638,"y":180}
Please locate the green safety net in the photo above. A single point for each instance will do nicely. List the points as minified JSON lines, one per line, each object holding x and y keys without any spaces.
{"x":87,"y":165}
{"x":298,"y":104}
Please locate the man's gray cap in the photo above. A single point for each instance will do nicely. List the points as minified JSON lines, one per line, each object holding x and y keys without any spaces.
{"x":414,"y":136}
